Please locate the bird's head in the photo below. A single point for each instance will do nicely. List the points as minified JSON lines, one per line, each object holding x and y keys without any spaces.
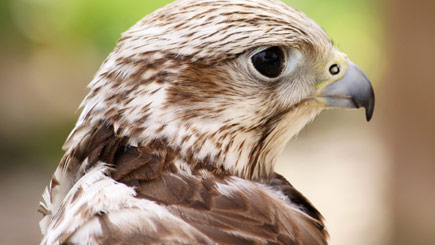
{"x":223,"y":81}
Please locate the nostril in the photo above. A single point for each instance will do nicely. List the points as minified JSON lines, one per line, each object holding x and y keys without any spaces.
{"x":334,"y":69}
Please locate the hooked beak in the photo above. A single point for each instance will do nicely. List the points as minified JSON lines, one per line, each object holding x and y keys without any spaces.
{"x":354,"y":90}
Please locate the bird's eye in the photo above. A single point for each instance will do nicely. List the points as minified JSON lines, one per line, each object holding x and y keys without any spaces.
{"x":269,"y":62}
{"x":334,"y":69}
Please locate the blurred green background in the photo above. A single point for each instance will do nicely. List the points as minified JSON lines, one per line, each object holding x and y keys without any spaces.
{"x":51,"y":49}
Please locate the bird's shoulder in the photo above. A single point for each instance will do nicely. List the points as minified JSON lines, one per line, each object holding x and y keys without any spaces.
{"x":148,"y":194}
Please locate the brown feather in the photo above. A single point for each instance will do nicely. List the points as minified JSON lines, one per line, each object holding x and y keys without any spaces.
{"x":196,"y":199}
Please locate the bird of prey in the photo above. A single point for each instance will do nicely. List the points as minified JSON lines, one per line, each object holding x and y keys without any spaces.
{"x":184,"y":121}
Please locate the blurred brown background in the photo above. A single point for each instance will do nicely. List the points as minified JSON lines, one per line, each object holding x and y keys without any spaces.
{"x":374,"y":183}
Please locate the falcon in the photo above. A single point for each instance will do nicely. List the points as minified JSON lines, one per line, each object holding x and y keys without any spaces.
{"x":178,"y":137}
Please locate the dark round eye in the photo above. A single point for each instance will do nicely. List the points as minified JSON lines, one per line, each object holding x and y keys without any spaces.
{"x":334,"y":69}
{"x":269,"y":62}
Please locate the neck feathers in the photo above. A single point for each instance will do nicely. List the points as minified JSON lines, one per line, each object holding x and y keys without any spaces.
{"x":247,"y":153}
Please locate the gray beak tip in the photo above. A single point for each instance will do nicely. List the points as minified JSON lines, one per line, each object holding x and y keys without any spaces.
{"x":365,"y":97}
{"x":369,"y":107}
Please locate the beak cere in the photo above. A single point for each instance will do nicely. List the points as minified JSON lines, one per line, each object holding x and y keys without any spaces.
{"x":354,"y":90}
